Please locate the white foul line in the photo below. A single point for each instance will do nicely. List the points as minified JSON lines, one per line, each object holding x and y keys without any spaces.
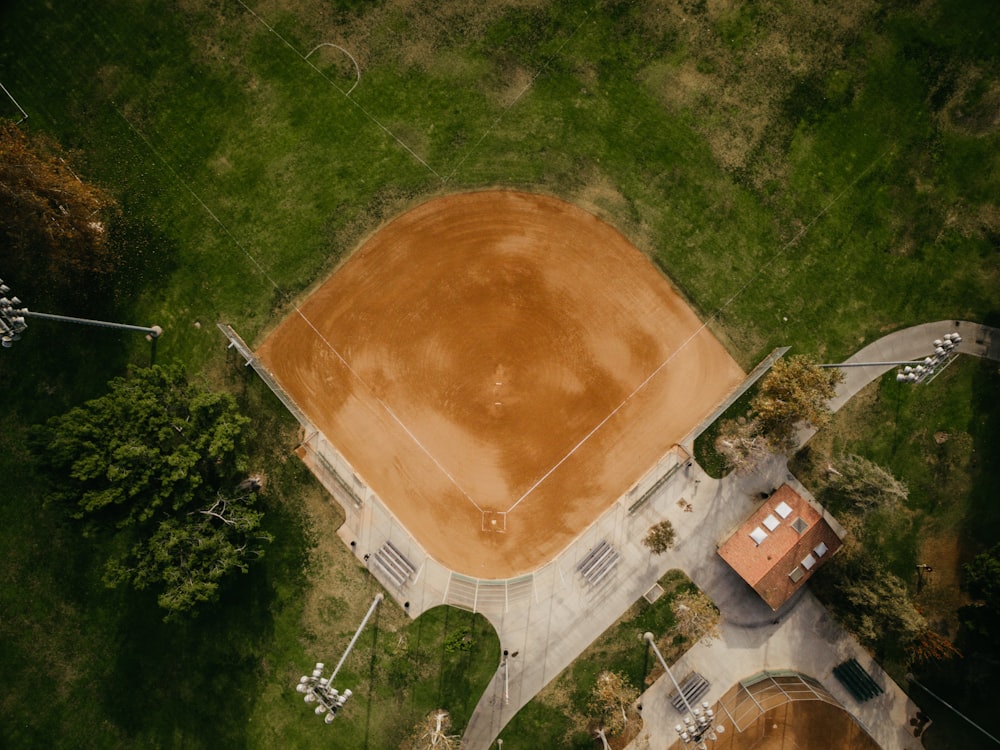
{"x":781,"y":251}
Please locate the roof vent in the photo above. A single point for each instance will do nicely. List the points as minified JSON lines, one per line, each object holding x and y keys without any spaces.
{"x":799,"y":525}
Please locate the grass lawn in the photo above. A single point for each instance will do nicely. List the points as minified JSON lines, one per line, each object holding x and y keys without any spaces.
{"x":806,"y":174}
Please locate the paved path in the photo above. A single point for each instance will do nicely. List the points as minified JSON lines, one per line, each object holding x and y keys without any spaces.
{"x":910,"y":344}
{"x":545,"y":634}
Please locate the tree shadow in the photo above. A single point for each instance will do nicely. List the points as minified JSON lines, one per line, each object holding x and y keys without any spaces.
{"x":196,"y":680}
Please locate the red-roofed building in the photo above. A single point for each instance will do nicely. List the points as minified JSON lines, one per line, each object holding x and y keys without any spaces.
{"x":781,"y":545}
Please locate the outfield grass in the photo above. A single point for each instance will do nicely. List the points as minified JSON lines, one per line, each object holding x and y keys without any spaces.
{"x":806,"y":175}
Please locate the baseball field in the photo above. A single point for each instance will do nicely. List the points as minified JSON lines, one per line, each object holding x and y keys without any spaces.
{"x":499,"y":367}
{"x":752,"y":174}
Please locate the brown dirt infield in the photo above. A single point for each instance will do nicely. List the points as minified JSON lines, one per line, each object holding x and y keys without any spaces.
{"x":499,"y":356}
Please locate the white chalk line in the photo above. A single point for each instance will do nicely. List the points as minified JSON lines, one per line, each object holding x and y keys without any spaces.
{"x":296,"y":308}
{"x":357,"y":70}
{"x":333,"y":83}
{"x":760,"y":270}
{"x":781,"y":251}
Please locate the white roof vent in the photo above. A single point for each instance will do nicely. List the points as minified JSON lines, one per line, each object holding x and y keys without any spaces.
{"x":758,"y":535}
{"x":784,"y":509}
{"x":771,"y":522}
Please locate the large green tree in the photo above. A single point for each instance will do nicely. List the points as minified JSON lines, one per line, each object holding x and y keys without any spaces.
{"x":154,"y":466}
{"x":982,"y":581}
{"x":865,"y":485}
{"x":871,"y":601}
{"x":795,"y":391}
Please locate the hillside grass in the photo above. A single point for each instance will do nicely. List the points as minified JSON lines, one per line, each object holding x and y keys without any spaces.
{"x":804,"y":174}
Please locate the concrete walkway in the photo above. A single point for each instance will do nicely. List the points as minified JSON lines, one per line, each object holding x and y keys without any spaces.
{"x":564,"y":615}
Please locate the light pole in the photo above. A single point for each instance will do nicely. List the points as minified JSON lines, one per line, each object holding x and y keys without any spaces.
{"x":944,"y":350}
{"x":320,"y":690}
{"x":13,"y":312}
{"x":917,"y":370}
{"x":921,"y":569}
{"x":697,"y":729}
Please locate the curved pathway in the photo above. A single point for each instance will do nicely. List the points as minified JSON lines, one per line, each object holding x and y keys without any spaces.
{"x":547,"y":634}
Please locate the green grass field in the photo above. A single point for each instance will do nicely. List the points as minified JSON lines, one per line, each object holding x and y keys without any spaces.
{"x":806,"y":174}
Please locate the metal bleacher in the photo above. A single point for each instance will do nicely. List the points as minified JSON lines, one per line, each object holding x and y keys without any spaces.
{"x":858,"y":682}
{"x":396,"y":567}
{"x":598,"y":563}
{"x":693,"y":688}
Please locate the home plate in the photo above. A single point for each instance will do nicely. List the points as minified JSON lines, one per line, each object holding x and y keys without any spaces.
{"x":494,"y":520}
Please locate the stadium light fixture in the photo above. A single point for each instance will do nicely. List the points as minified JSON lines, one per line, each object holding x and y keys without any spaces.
{"x":320,"y":690}
{"x":698,"y":728}
{"x":923,"y":370}
{"x":13,"y":324}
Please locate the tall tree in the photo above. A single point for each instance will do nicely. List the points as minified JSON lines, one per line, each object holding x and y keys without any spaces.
{"x":931,"y":646}
{"x":866,"y":485}
{"x":696,"y":616}
{"x":795,"y":390}
{"x":612,"y":702}
{"x":982,"y":581}
{"x":743,"y":445}
{"x":155,"y":464}
{"x":52,"y":222}
{"x":153,"y":443}
{"x":873,"y":602}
